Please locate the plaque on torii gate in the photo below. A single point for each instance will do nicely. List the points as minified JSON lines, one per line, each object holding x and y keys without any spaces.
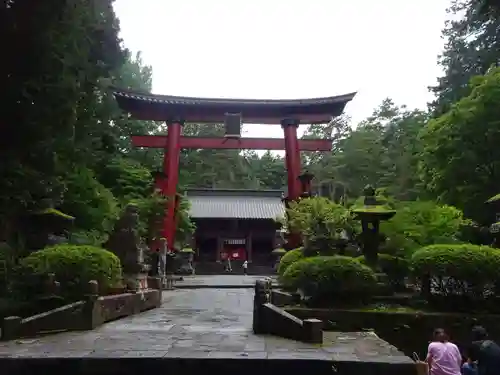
{"x":175,"y":110}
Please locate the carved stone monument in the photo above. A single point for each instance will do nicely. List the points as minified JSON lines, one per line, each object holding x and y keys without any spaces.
{"x":125,"y":243}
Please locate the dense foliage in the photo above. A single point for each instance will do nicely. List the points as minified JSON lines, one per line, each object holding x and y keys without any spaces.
{"x":396,"y":268}
{"x":464,"y":269}
{"x":461,"y":158}
{"x":420,"y":223}
{"x":322,"y":222}
{"x":289,"y":258}
{"x":326,"y":278}
{"x":64,"y":136}
{"x":73,"y":266}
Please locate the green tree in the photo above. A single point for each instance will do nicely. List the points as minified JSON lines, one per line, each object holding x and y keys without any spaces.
{"x":381,"y":151}
{"x":93,"y":205}
{"x":421,"y":223}
{"x":322,"y":223}
{"x":126,"y":178}
{"x":67,"y":49}
{"x":460,"y":160}
{"x":472,"y":47}
{"x":269,"y":170}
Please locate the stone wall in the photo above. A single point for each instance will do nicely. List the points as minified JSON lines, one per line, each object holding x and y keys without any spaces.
{"x":68,"y":317}
{"x":271,"y":319}
{"x":87,"y":314}
{"x":281,"y":298}
{"x":409,"y":332}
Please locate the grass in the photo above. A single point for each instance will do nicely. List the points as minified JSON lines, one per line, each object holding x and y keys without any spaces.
{"x":384,"y":307}
{"x":375,"y":307}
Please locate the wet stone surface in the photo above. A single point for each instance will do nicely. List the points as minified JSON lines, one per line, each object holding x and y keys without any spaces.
{"x":200,"y":323}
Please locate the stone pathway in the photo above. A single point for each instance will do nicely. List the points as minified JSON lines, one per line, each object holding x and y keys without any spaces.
{"x":200,"y":323}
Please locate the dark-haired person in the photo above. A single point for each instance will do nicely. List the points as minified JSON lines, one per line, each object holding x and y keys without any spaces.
{"x":485,"y":351}
{"x":469,"y":367}
{"x":443,"y":356}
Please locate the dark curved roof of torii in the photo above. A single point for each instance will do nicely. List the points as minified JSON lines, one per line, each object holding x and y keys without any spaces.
{"x":146,"y":106}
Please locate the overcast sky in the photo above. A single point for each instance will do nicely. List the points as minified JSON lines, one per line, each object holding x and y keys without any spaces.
{"x":289,"y":49}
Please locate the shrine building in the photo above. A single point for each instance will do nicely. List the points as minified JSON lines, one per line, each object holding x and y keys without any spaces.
{"x":236,"y":223}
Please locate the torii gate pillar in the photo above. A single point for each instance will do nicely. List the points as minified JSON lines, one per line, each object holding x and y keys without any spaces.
{"x":292,"y":157}
{"x":171,"y":172}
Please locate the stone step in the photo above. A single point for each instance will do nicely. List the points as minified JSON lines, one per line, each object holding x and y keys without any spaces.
{"x":381,"y":277}
{"x":196,"y":363}
{"x":214,"y":268}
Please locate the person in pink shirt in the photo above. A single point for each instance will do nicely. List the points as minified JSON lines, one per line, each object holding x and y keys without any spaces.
{"x":443,"y":357}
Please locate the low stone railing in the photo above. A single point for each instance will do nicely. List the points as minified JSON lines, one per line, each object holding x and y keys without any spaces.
{"x":271,"y":319}
{"x":87,"y":314}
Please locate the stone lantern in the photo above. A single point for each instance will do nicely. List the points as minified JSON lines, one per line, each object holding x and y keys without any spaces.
{"x":305,"y":182}
{"x":371,"y":213}
{"x":46,"y":226}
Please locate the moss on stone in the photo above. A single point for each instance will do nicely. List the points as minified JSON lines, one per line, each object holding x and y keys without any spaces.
{"x":373,"y":209}
{"x":379,"y":212}
{"x":494,"y":198}
{"x":279,"y":251}
{"x":54,"y":212}
{"x":389,"y":308}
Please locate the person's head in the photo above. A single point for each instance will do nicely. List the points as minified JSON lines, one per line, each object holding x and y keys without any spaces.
{"x":479,"y":333}
{"x":440,"y":335}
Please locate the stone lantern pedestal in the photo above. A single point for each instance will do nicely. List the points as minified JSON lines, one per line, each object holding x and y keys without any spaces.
{"x":371,"y":214}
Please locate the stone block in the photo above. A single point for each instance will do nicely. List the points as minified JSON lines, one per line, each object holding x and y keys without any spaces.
{"x":11,"y":327}
{"x":312,"y":331}
{"x":93,"y":287}
{"x":280,"y":298}
{"x":155,"y":283}
{"x":91,"y":316}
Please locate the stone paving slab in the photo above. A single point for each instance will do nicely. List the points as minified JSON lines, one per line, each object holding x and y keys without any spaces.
{"x":200,"y":323}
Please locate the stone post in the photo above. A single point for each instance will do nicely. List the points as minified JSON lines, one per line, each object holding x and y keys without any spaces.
{"x":91,"y":312}
{"x":51,"y":286}
{"x":11,"y":328}
{"x":261,"y":297}
{"x":312,"y":331}
{"x":156,"y":283}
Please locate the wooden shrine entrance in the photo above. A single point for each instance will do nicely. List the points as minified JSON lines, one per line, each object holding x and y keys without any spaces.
{"x":175,"y":111}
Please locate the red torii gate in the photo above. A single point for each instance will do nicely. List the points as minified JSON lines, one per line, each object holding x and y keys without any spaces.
{"x":176,"y":110}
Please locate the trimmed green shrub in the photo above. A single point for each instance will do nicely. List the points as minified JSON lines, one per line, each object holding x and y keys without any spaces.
{"x":394,"y":267}
{"x":289,"y":258}
{"x":462,"y":269}
{"x":325,"y":277}
{"x":73,"y":266}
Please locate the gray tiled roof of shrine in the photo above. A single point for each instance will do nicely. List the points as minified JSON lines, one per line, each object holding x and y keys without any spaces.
{"x":235,"y":204}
